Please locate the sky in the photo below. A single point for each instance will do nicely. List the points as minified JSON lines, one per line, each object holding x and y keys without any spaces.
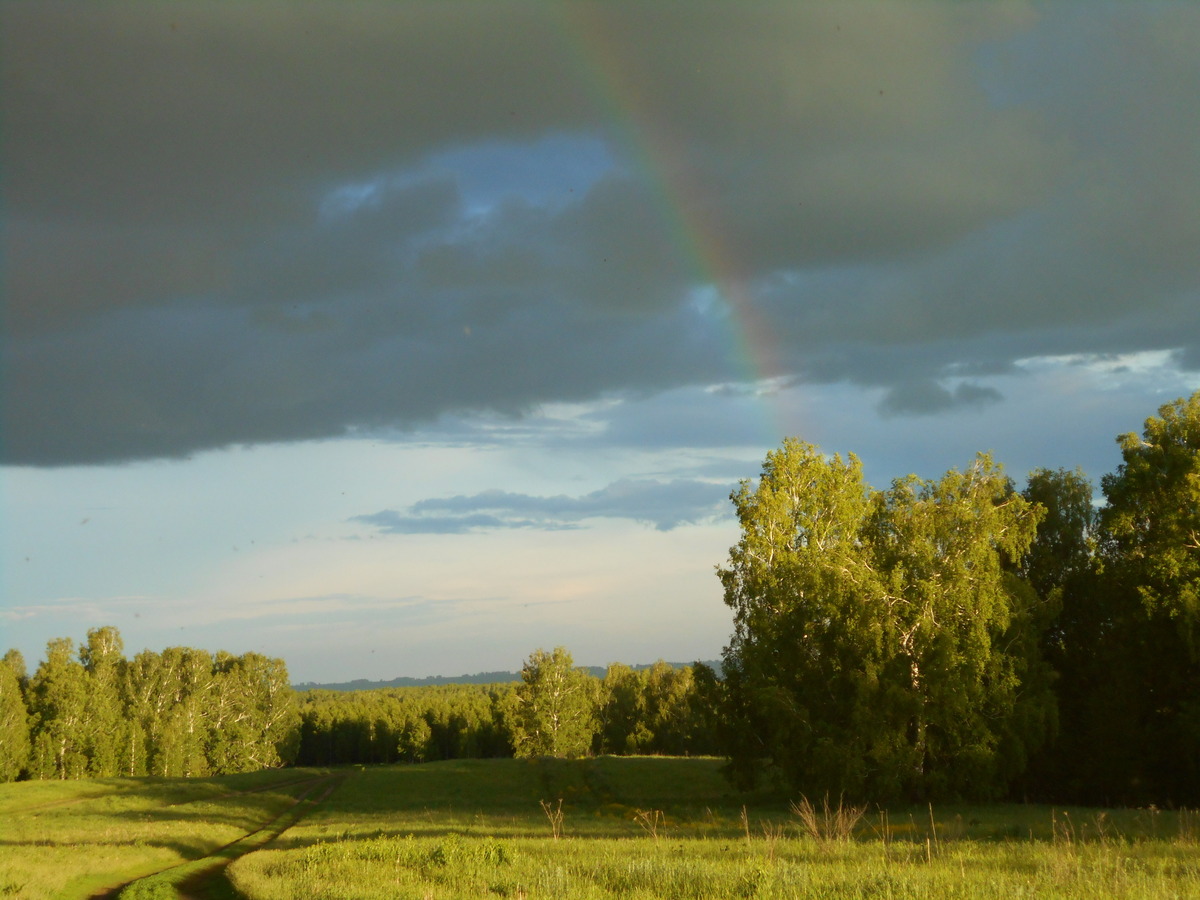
{"x":403,"y":339}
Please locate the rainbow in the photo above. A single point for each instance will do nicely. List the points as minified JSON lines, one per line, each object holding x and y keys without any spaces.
{"x":680,"y":198}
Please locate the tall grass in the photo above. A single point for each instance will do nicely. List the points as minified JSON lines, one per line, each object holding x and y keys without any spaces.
{"x":629,"y":828}
{"x":458,"y":866}
{"x":825,"y":823}
{"x":392,"y":832}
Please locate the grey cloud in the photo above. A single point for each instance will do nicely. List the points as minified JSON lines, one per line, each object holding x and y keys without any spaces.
{"x":348,"y":255}
{"x":687,"y":417}
{"x":195,"y":111}
{"x":929,"y":398}
{"x":896,"y":193}
{"x":301,"y":354}
{"x":967,"y":394}
{"x":178,"y":384}
{"x":393,"y":522}
{"x":664,"y":504}
{"x":64,"y":272}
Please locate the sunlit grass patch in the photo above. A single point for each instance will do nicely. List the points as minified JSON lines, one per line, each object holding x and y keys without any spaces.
{"x":635,"y":828}
{"x":68,"y":838}
{"x":494,"y":840}
{"x":456,"y":867}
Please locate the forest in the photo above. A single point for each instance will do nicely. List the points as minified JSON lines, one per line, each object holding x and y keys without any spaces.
{"x":87,"y":712}
{"x":950,"y":638}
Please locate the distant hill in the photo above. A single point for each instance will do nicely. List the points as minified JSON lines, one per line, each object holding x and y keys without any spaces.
{"x":362,"y":684}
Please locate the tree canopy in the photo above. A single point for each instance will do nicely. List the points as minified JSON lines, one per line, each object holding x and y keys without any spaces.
{"x":87,"y":711}
{"x":554,"y":713}
{"x":957,"y":638}
{"x":880,"y":637}
{"x":1148,"y":589}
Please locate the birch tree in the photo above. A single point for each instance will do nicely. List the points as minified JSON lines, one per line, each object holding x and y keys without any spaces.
{"x":106,"y":732}
{"x":555,"y":707}
{"x":14,"y":719}
{"x":59,"y":704}
{"x":880,"y":638}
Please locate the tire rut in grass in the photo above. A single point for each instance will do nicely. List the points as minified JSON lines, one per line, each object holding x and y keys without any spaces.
{"x":207,"y":881}
{"x":211,"y":883}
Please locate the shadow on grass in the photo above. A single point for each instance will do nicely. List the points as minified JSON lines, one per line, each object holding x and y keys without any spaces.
{"x":202,"y":876}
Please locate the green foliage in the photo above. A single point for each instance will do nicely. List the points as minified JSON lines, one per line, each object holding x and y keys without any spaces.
{"x":182,"y":712}
{"x":253,"y":719}
{"x":1149,"y":634}
{"x":58,"y":700}
{"x":621,"y":711}
{"x":943,"y":637}
{"x":652,"y":710}
{"x":14,"y":722}
{"x":1151,"y":525}
{"x":554,"y":709}
{"x":880,"y":646}
{"x":408,"y":724}
{"x":1061,"y":566}
{"x":107,"y":729}
{"x":655,"y":709}
{"x":1063,"y":549}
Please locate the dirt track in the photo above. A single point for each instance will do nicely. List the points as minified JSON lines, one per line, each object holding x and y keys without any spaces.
{"x":209,"y":879}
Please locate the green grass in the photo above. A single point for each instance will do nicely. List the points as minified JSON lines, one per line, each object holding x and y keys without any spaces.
{"x":631,"y":828}
{"x":477,"y":828}
{"x":70,"y":838}
{"x":461,"y":867}
{"x":195,"y":878}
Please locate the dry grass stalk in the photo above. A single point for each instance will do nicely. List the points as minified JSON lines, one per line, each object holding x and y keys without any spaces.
{"x":1189,"y":826}
{"x":772,"y":832}
{"x":828,"y":824}
{"x":1062,"y":830}
{"x":650,"y":819}
{"x":884,"y":830}
{"x":555,"y":815}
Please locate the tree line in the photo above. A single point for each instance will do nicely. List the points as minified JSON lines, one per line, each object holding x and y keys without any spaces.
{"x":557,"y":709}
{"x":90,"y":712}
{"x":960,"y":638}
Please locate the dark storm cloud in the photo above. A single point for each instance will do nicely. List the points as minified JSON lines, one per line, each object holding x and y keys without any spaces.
{"x":928,"y":397}
{"x":663,"y":504}
{"x":264,"y":222}
{"x":196,"y":111}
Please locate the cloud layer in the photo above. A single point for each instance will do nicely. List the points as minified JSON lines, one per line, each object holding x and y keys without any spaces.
{"x":666,"y":505}
{"x":232,"y":224}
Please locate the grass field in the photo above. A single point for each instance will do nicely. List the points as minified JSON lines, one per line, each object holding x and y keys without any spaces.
{"x":671,"y":828}
{"x":626,"y":827}
{"x":75,"y":838}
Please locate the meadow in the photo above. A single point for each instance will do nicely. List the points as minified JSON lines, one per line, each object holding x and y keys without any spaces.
{"x":78,"y":839}
{"x":646,"y":827}
{"x":606,"y":827}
